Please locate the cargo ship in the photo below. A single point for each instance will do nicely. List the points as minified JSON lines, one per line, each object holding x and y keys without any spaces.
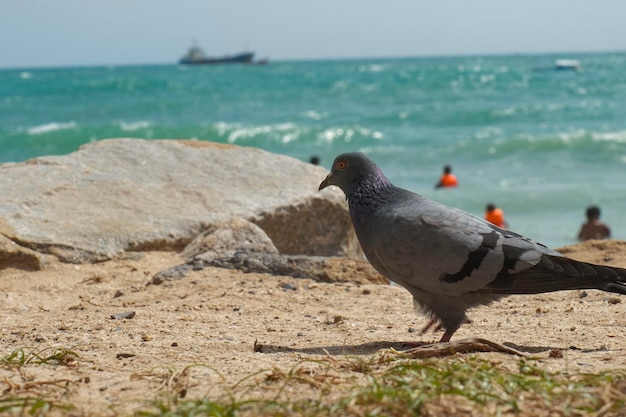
{"x":196,"y":56}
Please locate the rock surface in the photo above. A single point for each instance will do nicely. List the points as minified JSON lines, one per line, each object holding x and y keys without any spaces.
{"x":134,"y":195}
{"x":316,"y":268}
{"x":244,"y":246}
{"x":13,"y":255}
{"x":227,"y":238}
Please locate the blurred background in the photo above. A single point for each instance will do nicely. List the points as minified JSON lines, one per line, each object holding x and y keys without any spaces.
{"x":526,"y":101}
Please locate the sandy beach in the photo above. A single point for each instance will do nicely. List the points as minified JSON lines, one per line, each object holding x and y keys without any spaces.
{"x":237,"y":324}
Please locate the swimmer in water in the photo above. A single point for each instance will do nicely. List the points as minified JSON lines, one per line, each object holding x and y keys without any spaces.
{"x":495,"y":215}
{"x":448,"y":179}
{"x":594,"y":228}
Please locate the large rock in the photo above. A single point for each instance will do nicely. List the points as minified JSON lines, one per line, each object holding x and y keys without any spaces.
{"x":242,"y":245}
{"x":227,"y":238}
{"x":16,"y":256}
{"x":132,"y":195}
{"x":318,"y":268}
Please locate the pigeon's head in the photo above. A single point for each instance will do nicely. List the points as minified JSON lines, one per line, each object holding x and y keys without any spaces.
{"x":351,"y":170}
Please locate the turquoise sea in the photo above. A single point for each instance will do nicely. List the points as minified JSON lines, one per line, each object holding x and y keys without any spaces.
{"x":541,"y":144}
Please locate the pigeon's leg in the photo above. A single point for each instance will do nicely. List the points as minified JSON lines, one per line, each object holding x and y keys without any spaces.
{"x":446,"y":336}
{"x":431,"y":324}
{"x":450,"y":331}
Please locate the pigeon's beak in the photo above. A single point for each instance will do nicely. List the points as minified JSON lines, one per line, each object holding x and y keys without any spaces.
{"x":326,"y":182}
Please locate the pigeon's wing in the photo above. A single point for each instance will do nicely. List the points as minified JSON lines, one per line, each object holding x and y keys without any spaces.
{"x":555,"y":273}
{"x":439,"y":249}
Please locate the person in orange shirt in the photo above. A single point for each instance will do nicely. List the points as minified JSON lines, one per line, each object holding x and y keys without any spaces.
{"x":495,"y":216}
{"x":448,"y":179}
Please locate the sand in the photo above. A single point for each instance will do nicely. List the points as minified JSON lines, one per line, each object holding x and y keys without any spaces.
{"x":215,"y":317}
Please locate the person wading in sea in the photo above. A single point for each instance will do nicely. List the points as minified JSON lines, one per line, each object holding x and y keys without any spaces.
{"x":495,"y":215}
{"x":448,"y":179}
{"x":594,"y":228}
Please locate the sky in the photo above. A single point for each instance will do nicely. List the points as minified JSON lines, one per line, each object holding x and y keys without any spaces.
{"x":50,"y":33}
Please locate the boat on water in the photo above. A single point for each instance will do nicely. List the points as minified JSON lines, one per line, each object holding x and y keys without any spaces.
{"x":196,"y":56}
{"x":567,"y":64}
{"x":562,"y":65}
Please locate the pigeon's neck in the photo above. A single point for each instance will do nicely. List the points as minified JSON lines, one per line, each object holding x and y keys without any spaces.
{"x":366,"y":196}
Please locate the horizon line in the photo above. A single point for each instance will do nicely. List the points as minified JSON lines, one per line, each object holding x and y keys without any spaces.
{"x":312,"y":59}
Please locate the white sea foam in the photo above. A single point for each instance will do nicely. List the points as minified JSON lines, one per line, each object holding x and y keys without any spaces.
{"x":312,"y":114}
{"x":329,"y":135}
{"x":132,"y":126}
{"x":236,"y":132}
{"x":371,"y":68}
{"x":339,"y":85}
{"x":332,"y":134}
{"x":25,"y":75}
{"x":484,"y":79}
{"x":290,"y":137}
{"x":619,"y":136}
{"x":50,"y":127}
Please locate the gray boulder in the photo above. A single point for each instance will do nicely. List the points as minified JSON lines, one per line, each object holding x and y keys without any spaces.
{"x":242,"y":245}
{"x":133,"y":195}
{"x":227,"y":238}
{"x":317,"y":268}
{"x":13,"y":255}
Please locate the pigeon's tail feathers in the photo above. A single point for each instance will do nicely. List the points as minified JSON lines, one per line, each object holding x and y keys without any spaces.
{"x":556,"y":273}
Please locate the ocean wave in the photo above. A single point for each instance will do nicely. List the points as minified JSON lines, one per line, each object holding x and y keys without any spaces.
{"x":314,"y":115}
{"x":529,"y":142}
{"x":574,"y":145}
{"x":258,"y":135}
{"x":50,"y":127}
{"x":371,"y":68}
{"x":132,"y":126}
{"x":333,"y":134}
{"x":619,"y":136}
{"x":236,"y":132}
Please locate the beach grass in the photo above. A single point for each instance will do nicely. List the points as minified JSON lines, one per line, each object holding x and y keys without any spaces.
{"x":52,"y":355}
{"x":461,"y":386}
{"x":384,"y":384}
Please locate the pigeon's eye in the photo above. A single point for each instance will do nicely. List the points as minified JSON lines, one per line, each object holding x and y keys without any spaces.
{"x":341,"y":165}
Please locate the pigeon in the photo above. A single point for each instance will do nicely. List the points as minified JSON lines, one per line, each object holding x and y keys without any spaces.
{"x":448,"y":259}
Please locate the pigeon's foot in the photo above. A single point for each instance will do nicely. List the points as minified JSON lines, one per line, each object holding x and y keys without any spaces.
{"x":446,"y":336}
{"x":431,"y":324}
